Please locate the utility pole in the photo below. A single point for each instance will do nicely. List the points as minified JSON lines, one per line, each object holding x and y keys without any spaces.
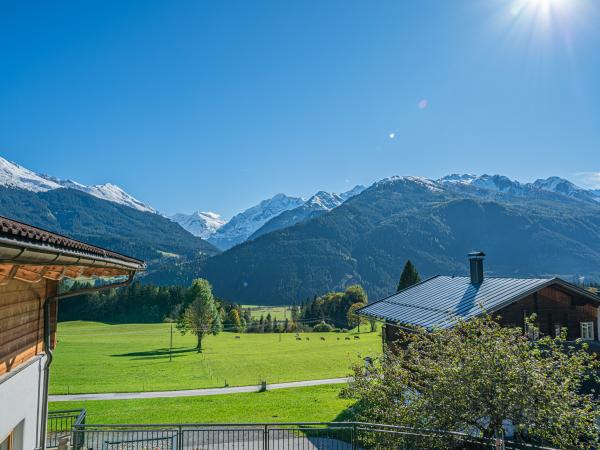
{"x":171,"y":344}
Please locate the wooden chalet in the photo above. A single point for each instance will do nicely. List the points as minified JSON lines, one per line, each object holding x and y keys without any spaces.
{"x":32,"y":264}
{"x":438,"y":301}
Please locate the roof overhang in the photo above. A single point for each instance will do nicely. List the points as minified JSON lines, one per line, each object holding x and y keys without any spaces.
{"x":32,"y":261}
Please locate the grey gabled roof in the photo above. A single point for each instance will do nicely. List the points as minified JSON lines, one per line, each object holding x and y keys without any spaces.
{"x":440,"y":300}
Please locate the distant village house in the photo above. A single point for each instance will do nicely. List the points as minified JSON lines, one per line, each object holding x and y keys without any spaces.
{"x":438,"y":301}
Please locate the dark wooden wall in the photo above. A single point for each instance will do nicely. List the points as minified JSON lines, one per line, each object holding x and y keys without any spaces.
{"x":553,"y":305}
{"x":22,"y":321}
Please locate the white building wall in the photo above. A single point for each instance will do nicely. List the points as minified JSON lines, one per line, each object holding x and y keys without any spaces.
{"x":21,"y":396}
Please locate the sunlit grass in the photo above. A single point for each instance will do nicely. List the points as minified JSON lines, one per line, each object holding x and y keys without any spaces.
{"x":95,"y":357}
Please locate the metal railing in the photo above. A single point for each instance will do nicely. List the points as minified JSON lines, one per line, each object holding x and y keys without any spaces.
{"x":61,"y":424}
{"x":277,"y":436}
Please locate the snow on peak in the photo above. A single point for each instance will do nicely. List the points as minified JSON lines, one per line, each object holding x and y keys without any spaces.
{"x":325,"y":200}
{"x":243,"y":225}
{"x":352,"y":192}
{"x":465,"y":178}
{"x":423,"y":182}
{"x":115,"y":194}
{"x":15,"y":176}
{"x":496,"y":183}
{"x":565,"y":187}
{"x":200,"y":223}
{"x":556,"y":184}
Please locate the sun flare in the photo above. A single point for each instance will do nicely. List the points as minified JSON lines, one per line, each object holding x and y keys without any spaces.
{"x":541,"y":7}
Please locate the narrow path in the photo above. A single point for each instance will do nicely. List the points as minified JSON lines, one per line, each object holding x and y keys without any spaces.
{"x":191,"y":392}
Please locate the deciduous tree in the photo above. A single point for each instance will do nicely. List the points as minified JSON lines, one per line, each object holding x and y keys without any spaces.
{"x":478,"y":376}
{"x":201,"y":316}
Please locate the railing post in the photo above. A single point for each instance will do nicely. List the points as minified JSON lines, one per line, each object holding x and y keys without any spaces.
{"x":354,"y":437}
{"x":179,"y":438}
{"x":266,"y":438}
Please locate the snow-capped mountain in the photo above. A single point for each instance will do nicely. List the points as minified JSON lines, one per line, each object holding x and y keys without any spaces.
{"x":324,"y":200}
{"x":504,"y":185}
{"x":200,"y":223}
{"x":318,"y":204}
{"x":15,"y":176}
{"x":565,"y":187}
{"x":242,"y":225}
{"x":496,"y":183}
{"x":352,"y":192}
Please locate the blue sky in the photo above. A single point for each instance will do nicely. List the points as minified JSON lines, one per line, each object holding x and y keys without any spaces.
{"x":217,"y":105}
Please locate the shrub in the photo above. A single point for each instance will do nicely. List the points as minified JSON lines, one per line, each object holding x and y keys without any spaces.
{"x":322,"y":328}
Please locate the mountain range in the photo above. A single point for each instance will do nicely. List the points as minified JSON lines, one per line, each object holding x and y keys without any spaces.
{"x":285,"y":249}
{"x":103,"y":215}
{"x":272,"y":214}
{"x":15,"y":176}
{"x":549,"y":227}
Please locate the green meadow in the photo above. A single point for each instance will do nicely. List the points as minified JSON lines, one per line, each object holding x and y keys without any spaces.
{"x":307,"y":404}
{"x":94,"y":357}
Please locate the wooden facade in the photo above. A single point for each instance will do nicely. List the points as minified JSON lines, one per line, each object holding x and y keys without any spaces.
{"x":22,"y":321}
{"x":554,"y":307}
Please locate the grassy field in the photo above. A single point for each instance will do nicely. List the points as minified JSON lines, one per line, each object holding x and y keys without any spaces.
{"x":96,"y":357}
{"x":317,"y":403}
{"x":279,"y":312}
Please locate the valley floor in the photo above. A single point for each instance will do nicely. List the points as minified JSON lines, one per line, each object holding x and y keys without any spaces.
{"x":95,"y":357}
{"x":306,"y":404}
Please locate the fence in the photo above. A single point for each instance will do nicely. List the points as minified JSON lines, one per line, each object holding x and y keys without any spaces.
{"x":62,"y":423}
{"x":276,"y":436}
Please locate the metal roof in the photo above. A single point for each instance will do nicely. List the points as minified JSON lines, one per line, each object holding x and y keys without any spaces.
{"x":438,"y":301}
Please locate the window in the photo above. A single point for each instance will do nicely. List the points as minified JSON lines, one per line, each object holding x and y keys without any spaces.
{"x":557,"y":330}
{"x":587,"y":331}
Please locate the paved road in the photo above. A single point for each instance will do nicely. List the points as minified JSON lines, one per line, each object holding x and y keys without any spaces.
{"x":191,"y":392}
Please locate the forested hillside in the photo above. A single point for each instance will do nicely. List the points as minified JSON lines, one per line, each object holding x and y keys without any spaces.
{"x":143,"y":235}
{"x":367,"y":239}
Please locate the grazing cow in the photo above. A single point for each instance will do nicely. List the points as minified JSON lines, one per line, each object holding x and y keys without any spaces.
{"x":356,"y":337}
{"x":298,"y":338}
{"x":322,"y":338}
{"x":237,"y":337}
{"x":347,"y":338}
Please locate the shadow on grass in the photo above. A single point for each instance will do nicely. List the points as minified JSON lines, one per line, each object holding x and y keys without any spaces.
{"x":159,"y":353}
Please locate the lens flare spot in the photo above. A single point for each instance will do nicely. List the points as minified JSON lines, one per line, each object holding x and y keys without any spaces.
{"x":423,"y":103}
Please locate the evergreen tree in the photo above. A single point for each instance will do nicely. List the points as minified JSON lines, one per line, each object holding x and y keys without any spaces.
{"x":234,"y":320}
{"x":268,"y":323}
{"x":408,"y":277}
{"x":295,"y":313}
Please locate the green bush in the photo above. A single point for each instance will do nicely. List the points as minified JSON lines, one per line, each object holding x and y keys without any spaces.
{"x":323,"y":328}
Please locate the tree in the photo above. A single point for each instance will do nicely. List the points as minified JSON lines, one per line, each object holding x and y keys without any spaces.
{"x":356,"y":294}
{"x":408,"y":277}
{"x":201,"y":316}
{"x":233,"y":318}
{"x":478,"y":375}
{"x":353,"y":318}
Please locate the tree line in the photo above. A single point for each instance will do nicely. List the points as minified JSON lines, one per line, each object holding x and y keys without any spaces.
{"x":148,"y":303}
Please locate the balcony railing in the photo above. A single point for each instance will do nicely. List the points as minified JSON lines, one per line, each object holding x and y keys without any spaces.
{"x":62,"y":423}
{"x":277,"y":436}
